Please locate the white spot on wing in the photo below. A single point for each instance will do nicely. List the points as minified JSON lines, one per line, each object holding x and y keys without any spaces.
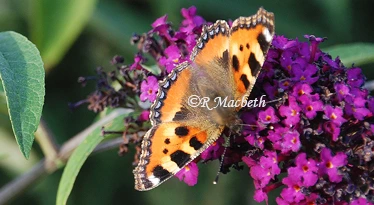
{"x":166,"y":85}
{"x":154,"y":179}
{"x":173,"y":76}
{"x":267,"y":34}
{"x":205,"y":36}
{"x":217,"y":30}
{"x":158,"y":105}
{"x":162,"y":94}
{"x":200,"y":45}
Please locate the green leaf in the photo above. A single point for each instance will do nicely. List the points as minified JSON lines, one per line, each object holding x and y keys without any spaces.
{"x":113,"y":121}
{"x":357,"y":53}
{"x":56,"y":24}
{"x":3,"y":103}
{"x":153,"y":69}
{"x":22,"y":75}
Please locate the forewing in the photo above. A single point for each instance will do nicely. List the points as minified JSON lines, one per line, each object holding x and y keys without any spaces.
{"x":250,"y":40}
{"x":167,"y":148}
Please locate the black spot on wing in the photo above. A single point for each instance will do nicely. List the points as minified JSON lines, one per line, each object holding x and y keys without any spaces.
{"x":161,"y":173}
{"x":181,"y":131}
{"x":146,"y":183}
{"x":165,"y":151}
{"x":180,"y":115}
{"x":195,"y":143}
{"x":167,"y":141}
{"x":224,"y":60}
{"x":241,"y":48}
{"x":235,"y":63}
{"x":247,"y":45}
{"x":264,"y":45}
{"x":254,"y":65}
{"x":180,"y":158}
{"x":245,"y":81}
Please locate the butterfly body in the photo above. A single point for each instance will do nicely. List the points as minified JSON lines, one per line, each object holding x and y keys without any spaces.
{"x":224,"y":66}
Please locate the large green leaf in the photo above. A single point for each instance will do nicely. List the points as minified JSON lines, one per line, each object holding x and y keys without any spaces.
{"x":56,"y":24}
{"x":22,"y":75}
{"x":113,"y":121}
{"x":357,"y":53}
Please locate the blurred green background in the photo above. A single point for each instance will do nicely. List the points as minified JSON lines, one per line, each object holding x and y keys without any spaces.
{"x":75,"y":37}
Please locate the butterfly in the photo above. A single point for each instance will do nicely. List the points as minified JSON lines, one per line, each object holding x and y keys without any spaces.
{"x":225,"y":62}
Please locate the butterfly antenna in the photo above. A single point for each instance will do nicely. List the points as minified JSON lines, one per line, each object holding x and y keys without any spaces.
{"x":268,"y":102}
{"x":272,"y":101}
{"x":248,"y":125}
{"x":221,"y":163}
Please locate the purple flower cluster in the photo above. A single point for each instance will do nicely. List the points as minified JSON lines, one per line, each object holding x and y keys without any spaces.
{"x":148,"y":89}
{"x":167,"y":46}
{"x":317,"y":134}
{"x":316,"y":143}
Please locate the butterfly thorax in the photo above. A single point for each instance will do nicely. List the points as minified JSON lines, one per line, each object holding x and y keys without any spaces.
{"x":235,"y":125}
{"x":229,"y":118}
{"x":221,"y":114}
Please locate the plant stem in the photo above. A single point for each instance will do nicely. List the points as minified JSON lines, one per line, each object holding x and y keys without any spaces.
{"x":21,"y":183}
{"x":47,"y":143}
{"x":45,"y":167}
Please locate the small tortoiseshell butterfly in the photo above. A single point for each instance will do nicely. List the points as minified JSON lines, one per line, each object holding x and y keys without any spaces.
{"x":224,"y":63}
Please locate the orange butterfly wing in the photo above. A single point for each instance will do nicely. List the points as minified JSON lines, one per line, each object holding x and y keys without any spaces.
{"x":175,"y":139}
{"x":229,"y":67}
{"x":249,"y":43}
